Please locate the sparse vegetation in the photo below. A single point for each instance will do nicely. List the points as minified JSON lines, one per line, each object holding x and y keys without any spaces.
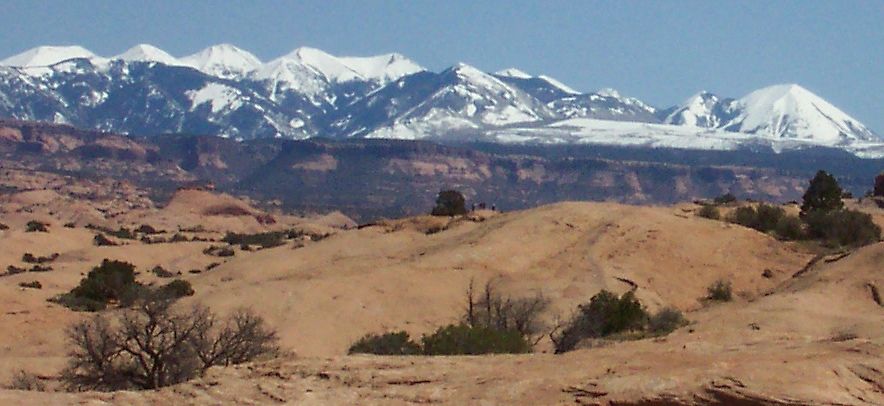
{"x":494,"y":311}
{"x":268,"y":239}
{"x":24,"y":380}
{"x":147,"y":230}
{"x":34,"y":226}
{"x":449,"y":203}
{"x":709,"y":211}
{"x":719,"y":291}
{"x":176,"y":289}
{"x":102,"y":241}
{"x":605,"y":314}
{"x":32,"y":259}
{"x":392,"y":343}
{"x":790,"y":228}
{"x":219,"y":251}
{"x":462,"y":339}
{"x":666,"y":321}
{"x":31,"y":285}
{"x":161,"y":272}
{"x":150,"y":346}
{"x":725,"y":198}
{"x":847,"y":228}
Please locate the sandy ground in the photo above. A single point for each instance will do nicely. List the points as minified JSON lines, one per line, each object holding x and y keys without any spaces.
{"x":811,"y":338}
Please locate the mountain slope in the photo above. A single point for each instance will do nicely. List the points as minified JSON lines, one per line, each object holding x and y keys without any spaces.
{"x":227,"y":91}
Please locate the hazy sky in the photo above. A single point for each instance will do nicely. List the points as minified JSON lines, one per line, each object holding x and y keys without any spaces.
{"x":659,"y":51}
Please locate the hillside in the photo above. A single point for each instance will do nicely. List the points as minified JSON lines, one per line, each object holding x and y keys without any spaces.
{"x":820,"y":323}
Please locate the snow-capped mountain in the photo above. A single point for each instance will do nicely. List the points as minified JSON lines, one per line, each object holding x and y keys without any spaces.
{"x":228,"y":91}
{"x":223,"y":60}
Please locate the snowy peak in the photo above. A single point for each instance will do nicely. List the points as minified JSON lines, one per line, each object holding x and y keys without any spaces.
{"x":703,"y":110}
{"x":47,"y":55}
{"x":147,"y":53}
{"x":790,"y":111}
{"x":382,"y":68}
{"x":223,"y":60}
{"x":513,"y":73}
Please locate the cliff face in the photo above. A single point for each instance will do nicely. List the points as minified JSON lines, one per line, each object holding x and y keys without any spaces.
{"x":371,"y":178}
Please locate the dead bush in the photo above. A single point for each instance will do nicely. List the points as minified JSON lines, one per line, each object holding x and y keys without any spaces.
{"x":24,"y":380}
{"x":150,"y":346}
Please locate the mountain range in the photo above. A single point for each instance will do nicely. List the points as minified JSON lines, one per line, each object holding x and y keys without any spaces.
{"x":226,"y":91}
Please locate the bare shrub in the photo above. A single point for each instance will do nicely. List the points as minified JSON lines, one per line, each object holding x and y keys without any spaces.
{"x":719,"y":291}
{"x":24,"y":380}
{"x":503,"y":313}
{"x":151,"y":346}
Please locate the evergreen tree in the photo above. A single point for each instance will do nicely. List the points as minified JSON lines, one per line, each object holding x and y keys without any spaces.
{"x":823,"y":194}
{"x":450,"y":203}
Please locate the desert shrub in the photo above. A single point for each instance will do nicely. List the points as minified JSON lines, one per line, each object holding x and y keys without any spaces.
{"x":725,"y":198}
{"x":745,"y":216}
{"x":150,"y":346}
{"x":36,"y":226}
{"x":70,"y":225}
{"x":461,"y":339}
{"x":823,"y":194}
{"x":32,"y":259}
{"x":3,"y":227}
{"x":161,"y":272}
{"x":178,"y":237}
{"x":12,"y":270}
{"x":719,"y":291}
{"x":265,"y":240}
{"x":23,"y":380}
{"x":146,"y":229}
{"x":31,"y":285}
{"x":392,"y":343}
{"x":449,"y":203}
{"x":123,"y":232}
{"x":790,"y":228}
{"x":176,"y":289}
{"x":40,"y":268}
{"x":666,"y":321}
{"x":110,"y":281}
{"x":843,"y":227}
{"x":605,"y":314}
{"x":503,"y":313}
{"x":767,"y":217}
{"x":212,"y":266}
{"x":102,"y":241}
{"x":219,"y":251}
{"x":710,"y":212}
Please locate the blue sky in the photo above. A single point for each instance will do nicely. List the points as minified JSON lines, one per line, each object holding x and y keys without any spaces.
{"x":661,"y":52}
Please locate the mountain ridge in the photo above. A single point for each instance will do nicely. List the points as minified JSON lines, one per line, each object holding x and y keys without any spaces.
{"x":309,"y":93}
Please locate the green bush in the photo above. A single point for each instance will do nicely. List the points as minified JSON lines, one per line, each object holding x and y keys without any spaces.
{"x":449,"y":203}
{"x":790,"y":228}
{"x":710,"y":212}
{"x":102,"y":241}
{"x":666,"y":321}
{"x":605,"y":314}
{"x":745,"y":216}
{"x":767,"y":217}
{"x":268,"y":239}
{"x":31,"y":285}
{"x":161,"y":272}
{"x":110,"y":281}
{"x":843,"y":227}
{"x":392,"y":343}
{"x":461,"y":339}
{"x":720,"y":291}
{"x":36,"y":226}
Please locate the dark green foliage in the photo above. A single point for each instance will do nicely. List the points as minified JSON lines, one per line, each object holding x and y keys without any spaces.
{"x":393,"y":343}
{"x":605,"y":314}
{"x":36,"y":226}
{"x":161,"y":272}
{"x":31,"y":285}
{"x":879,"y":186}
{"x":666,"y":321}
{"x":720,"y":291}
{"x":265,"y":240}
{"x":725,"y":198}
{"x":123,"y":232}
{"x":763,"y":218}
{"x":790,"y":228}
{"x":102,"y":241}
{"x":40,"y":268}
{"x":745,"y":216}
{"x":176,"y":289}
{"x":843,"y":227}
{"x":461,"y":339}
{"x":710,"y":212}
{"x":110,"y":281}
{"x":450,"y":203}
{"x":823,"y":194}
